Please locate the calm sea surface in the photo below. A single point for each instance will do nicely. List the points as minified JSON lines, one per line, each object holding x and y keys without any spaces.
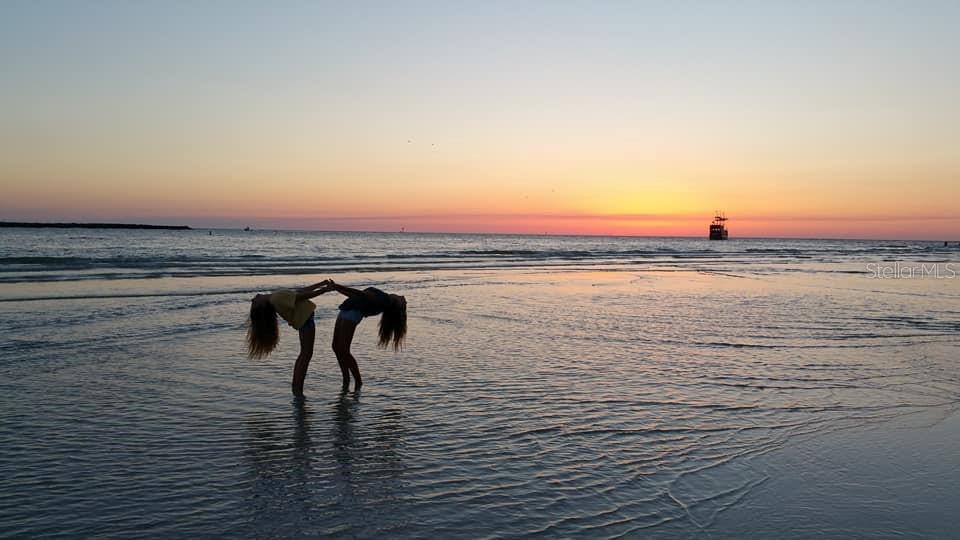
{"x":551,"y":386}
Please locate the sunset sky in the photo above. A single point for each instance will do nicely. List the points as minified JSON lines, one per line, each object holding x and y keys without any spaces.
{"x":813,"y":119}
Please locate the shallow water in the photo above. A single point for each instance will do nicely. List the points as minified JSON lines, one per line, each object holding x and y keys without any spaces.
{"x":605,"y":398}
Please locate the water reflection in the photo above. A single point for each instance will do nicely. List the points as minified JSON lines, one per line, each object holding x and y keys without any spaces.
{"x":365,"y":441}
{"x":300,"y":459}
{"x":312,"y":471}
{"x":279,"y":455}
{"x":344,"y":441}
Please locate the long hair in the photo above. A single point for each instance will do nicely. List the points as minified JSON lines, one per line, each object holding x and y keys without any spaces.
{"x":393,"y":323}
{"x":262,"y":330}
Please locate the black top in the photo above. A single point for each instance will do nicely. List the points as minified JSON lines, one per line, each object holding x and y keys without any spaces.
{"x":372,"y":302}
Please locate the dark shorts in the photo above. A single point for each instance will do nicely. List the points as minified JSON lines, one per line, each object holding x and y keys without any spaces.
{"x":354,"y":315}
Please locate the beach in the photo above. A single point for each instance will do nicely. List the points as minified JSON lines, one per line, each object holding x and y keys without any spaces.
{"x":550,"y":386}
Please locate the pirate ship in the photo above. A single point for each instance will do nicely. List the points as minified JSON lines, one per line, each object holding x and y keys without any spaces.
{"x":718,"y":229}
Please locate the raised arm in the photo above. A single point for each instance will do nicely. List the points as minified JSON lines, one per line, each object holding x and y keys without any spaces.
{"x":326,"y":285}
{"x":316,"y":289}
{"x":346,"y":291}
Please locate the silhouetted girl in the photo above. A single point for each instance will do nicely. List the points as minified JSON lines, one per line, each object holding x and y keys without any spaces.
{"x":296,"y":308}
{"x":366,"y":303}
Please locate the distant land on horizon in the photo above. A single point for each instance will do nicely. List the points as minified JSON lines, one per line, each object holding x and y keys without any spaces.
{"x":41,"y":225}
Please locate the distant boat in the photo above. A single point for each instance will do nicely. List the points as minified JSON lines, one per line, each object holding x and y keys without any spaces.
{"x":246,"y":228}
{"x":718,"y":229}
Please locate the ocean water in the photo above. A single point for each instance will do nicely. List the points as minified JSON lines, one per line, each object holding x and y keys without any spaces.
{"x":550,"y":387}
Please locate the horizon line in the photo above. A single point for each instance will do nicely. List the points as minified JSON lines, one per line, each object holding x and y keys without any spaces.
{"x":595,"y":217}
{"x":596,"y":235}
{"x":483,"y":233}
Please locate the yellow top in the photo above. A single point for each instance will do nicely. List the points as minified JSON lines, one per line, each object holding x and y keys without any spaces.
{"x":296,"y":312}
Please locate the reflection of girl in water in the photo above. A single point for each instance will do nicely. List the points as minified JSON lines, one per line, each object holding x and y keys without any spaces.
{"x":295,"y":307}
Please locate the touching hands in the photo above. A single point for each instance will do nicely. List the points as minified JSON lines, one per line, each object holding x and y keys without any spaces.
{"x":326,"y":285}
